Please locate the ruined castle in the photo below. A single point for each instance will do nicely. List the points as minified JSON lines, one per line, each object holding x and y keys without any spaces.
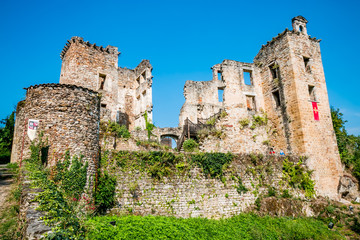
{"x":285,"y":83}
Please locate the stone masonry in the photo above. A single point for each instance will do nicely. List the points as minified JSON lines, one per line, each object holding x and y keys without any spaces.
{"x":126,"y":93}
{"x":69,"y":120}
{"x":287,"y":84}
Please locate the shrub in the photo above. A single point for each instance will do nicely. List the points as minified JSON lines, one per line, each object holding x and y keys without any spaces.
{"x":105,"y":192}
{"x":223,"y":114}
{"x":190,"y":145}
{"x":212,"y":164}
{"x":118,"y":130}
{"x":298,"y":177}
{"x":211,"y":121}
{"x":244,"y":122}
{"x":286,"y":194}
{"x":271,"y":192}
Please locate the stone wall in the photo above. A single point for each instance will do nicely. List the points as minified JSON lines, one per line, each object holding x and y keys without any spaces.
{"x":126,"y":93}
{"x":69,"y":120}
{"x":192,"y":194}
{"x":228,"y":135}
{"x":239,"y":99}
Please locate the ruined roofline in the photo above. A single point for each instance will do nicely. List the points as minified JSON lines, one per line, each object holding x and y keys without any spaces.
{"x":299,"y":18}
{"x":109,"y":49}
{"x":287,"y":31}
{"x":234,"y":61}
{"x":58,"y":85}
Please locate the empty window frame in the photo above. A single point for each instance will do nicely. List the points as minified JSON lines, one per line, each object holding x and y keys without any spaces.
{"x":102,"y":78}
{"x":220,"y":94}
{"x":276,"y":97}
{"x":144,"y":75}
{"x":219,"y":75}
{"x":307,"y":64}
{"x":250,"y":103}
{"x":138,"y":81}
{"x":274,"y":69}
{"x":247,"y":74}
{"x":103,"y":105}
{"x":311,"y":90}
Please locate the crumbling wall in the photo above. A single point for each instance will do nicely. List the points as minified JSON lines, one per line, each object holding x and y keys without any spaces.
{"x":125,"y":93}
{"x":203,"y":100}
{"x":143,"y":95}
{"x":69,"y":120}
{"x":243,"y":136}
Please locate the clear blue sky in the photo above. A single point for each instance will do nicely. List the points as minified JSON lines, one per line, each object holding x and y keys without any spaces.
{"x":182,"y":40}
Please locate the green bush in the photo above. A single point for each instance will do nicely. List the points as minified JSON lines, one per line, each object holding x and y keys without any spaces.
{"x":118,"y":130}
{"x":271,"y":192}
{"x":298,"y":177}
{"x":213,"y":164}
{"x":190,"y":145}
{"x":244,"y":122}
{"x":243,"y":226}
{"x":6,"y":137}
{"x":211,"y":121}
{"x":286,"y":194}
{"x":105,"y":192}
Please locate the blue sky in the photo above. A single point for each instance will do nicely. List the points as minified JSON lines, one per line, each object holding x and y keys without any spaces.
{"x":182,"y":40}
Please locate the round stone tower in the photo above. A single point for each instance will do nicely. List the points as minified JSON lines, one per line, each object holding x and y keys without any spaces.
{"x":68,"y":118}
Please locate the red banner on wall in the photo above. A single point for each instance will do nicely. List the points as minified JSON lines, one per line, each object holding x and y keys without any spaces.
{"x":315,"y":110}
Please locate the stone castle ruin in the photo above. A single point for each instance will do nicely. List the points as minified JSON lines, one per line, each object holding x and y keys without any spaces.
{"x":285,"y":85}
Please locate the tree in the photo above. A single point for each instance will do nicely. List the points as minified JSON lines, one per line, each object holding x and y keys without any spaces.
{"x":6,"y":137}
{"x":348,"y":145}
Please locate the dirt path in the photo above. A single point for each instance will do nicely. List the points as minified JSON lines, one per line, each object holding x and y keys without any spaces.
{"x":5,"y":185}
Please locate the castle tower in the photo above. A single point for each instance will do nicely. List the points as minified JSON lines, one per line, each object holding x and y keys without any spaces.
{"x":125,"y":93}
{"x":296,"y":100}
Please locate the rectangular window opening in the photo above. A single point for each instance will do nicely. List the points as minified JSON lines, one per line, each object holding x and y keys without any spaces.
{"x":103,"y":105}
{"x":306,"y":61}
{"x":274,"y":68}
{"x":102,"y":78}
{"x":312,"y":93}
{"x":144,"y":75}
{"x":248,"y":77}
{"x":250,"y":103}
{"x":138,"y":81}
{"x":221,"y":94}
{"x":219,"y":75}
{"x":276,"y":96}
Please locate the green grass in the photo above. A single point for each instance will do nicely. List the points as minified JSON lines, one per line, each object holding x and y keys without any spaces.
{"x":244,"y":226}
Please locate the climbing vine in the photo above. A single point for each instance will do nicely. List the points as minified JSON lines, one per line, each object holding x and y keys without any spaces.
{"x":61,"y":200}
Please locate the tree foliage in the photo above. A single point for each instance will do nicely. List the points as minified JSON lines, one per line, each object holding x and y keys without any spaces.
{"x":349,"y":145}
{"x":6,"y":137}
